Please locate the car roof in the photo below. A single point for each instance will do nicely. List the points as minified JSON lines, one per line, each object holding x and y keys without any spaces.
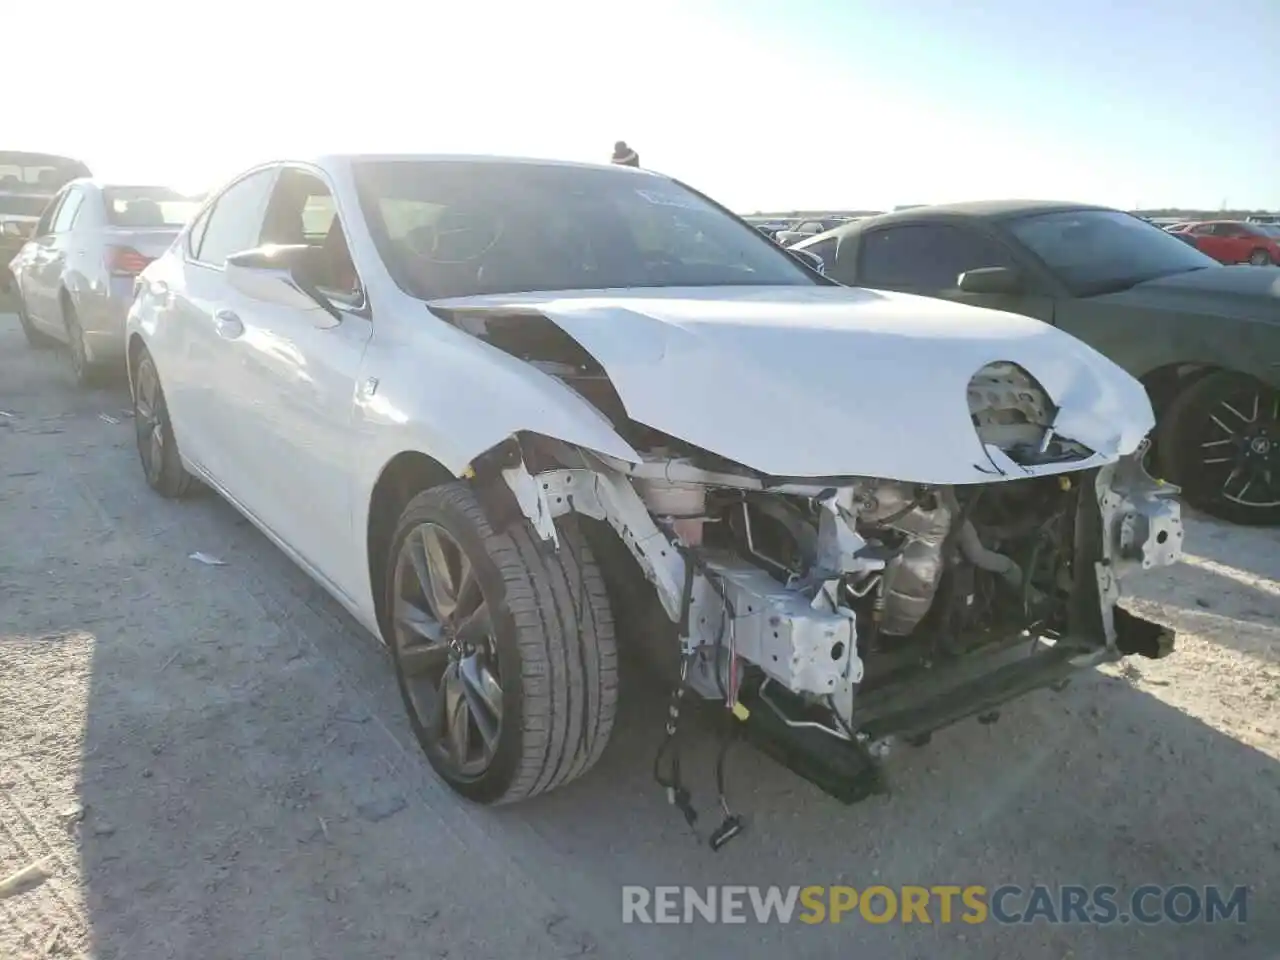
{"x":988,"y":209}
{"x":973,"y":209}
{"x":330,"y":160}
{"x":26,"y":157}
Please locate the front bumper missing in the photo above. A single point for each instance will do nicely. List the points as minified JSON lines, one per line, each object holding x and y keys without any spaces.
{"x":918,"y":705}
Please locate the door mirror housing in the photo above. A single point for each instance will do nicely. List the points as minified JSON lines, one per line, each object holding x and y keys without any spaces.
{"x":810,"y":260}
{"x":280,"y":274}
{"x":997,"y":280}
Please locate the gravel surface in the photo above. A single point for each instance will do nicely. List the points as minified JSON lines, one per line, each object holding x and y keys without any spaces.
{"x":212,"y":761}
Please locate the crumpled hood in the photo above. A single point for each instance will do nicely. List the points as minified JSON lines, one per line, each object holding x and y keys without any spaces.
{"x":834,"y":381}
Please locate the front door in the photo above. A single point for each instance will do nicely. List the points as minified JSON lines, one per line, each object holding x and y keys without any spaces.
{"x":298,"y":371}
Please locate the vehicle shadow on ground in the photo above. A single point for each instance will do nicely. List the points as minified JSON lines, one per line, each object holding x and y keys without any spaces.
{"x":271,"y":782}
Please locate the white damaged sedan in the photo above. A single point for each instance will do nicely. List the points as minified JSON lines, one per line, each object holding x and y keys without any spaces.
{"x":515,"y":415}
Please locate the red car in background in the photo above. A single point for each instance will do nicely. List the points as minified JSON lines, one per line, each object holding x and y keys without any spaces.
{"x":1235,"y":241}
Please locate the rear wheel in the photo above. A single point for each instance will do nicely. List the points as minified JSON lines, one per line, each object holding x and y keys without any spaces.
{"x":504,"y":651}
{"x":157,"y":449}
{"x":1220,"y":441}
{"x":35,"y":338}
{"x":85,"y":372}
{"x":1260,"y":258}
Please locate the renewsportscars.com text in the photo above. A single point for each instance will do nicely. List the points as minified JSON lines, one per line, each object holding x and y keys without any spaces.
{"x":943,"y":903}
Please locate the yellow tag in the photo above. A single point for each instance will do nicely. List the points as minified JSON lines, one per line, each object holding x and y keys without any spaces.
{"x":1064,"y":482}
{"x":740,"y":711}
{"x":468,"y":474}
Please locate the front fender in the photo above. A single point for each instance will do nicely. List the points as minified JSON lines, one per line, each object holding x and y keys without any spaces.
{"x":467,"y":398}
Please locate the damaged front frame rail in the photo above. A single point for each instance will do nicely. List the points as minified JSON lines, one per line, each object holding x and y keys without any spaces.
{"x":811,"y":647}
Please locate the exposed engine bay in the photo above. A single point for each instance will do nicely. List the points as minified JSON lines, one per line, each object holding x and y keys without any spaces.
{"x":865,"y":609}
{"x":833,"y":614}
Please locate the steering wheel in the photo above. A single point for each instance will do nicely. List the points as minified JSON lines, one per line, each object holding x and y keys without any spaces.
{"x":455,"y":236}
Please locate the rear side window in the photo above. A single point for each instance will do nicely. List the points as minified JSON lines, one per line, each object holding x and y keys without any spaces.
{"x":925,"y":256}
{"x":195,"y":236}
{"x":236,"y":219}
{"x":66,"y":215}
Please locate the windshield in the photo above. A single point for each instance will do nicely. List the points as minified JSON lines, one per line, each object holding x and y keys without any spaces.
{"x":1266,"y":229}
{"x":147,"y":207}
{"x":459,"y":228}
{"x":1102,"y":251}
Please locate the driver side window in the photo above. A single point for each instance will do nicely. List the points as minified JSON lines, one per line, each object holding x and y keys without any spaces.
{"x":234,"y":220}
{"x":926,"y":257}
{"x":302,"y":211}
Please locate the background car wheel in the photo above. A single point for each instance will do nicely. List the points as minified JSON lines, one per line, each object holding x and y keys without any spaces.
{"x":504,"y":650}
{"x":35,"y":338}
{"x":1260,"y":258}
{"x":1220,"y":441}
{"x":85,"y":372}
{"x":161,"y":464}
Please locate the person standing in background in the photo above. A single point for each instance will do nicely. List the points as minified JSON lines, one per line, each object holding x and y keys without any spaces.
{"x":624,"y":155}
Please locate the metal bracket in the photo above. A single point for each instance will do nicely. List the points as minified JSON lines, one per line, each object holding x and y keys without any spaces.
{"x":615,"y":501}
{"x":532,"y":499}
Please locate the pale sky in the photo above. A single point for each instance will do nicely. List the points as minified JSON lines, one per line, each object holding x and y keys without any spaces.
{"x":763,"y":104}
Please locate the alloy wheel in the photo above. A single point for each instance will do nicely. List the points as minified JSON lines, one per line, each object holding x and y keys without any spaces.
{"x":1239,"y":446}
{"x":446,"y":650}
{"x":75,"y":344}
{"x":148,"y":406}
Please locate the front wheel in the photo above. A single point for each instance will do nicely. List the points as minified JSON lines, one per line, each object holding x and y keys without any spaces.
{"x":1260,"y":258}
{"x":504,"y":651}
{"x":1220,"y":441}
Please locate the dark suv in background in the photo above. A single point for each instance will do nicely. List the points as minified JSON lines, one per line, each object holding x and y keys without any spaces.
{"x":28,"y":181}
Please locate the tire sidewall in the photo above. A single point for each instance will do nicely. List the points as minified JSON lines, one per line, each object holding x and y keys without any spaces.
{"x":489,"y":786}
{"x":81,"y":371}
{"x":169,"y":480}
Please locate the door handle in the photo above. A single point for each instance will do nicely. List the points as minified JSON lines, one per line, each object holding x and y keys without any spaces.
{"x":227,"y":324}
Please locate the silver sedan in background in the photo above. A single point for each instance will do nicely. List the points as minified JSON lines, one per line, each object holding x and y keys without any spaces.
{"x":74,"y":277}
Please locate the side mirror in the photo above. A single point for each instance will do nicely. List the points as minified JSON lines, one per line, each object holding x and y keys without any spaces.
{"x":997,"y":280}
{"x":278,"y":273}
{"x":810,"y":260}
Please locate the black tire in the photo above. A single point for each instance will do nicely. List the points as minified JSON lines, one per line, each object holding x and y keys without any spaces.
{"x":551,"y":636}
{"x":85,"y":373}
{"x":1188,"y":428}
{"x":157,"y":449}
{"x":1260,"y":258}
{"x":35,"y":339}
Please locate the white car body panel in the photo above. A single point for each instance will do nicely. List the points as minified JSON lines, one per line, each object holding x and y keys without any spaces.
{"x":295,"y":417}
{"x":835,"y":381}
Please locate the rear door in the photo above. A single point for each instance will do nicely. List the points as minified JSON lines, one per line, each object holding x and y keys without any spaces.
{"x":928,"y":258}
{"x":1208,"y":240}
{"x":1237,"y":242}
{"x":51,"y":260}
{"x":194,"y":341}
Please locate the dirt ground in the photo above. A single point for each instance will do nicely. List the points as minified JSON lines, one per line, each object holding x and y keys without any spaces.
{"x":212,"y":761}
